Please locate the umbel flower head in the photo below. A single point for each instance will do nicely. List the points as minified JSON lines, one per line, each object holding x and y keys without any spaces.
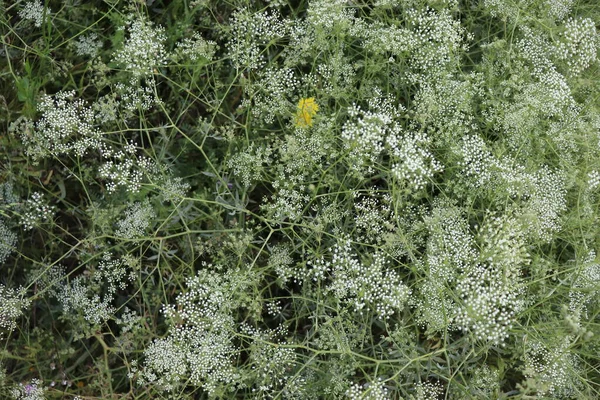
{"x":307,"y":108}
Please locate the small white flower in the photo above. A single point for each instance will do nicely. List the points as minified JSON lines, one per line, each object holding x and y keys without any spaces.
{"x":34,"y":11}
{"x":144,"y":49}
{"x":88,"y":45}
{"x":138,"y":217}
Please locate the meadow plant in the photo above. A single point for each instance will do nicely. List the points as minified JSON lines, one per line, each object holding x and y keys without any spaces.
{"x":34,"y":11}
{"x":8,"y":240}
{"x":13,"y":305}
{"x":143,"y":50}
{"x":88,"y":45}
{"x":319,"y":199}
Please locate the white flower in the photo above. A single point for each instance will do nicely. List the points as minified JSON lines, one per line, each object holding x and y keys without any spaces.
{"x":34,"y":11}
{"x":144,"y":49}
{"x":8,"y":240}
{"x":555,"y":368}
{"x":593,"y":179}
{"x":12,"y":303}
{"x":66,"y":127}
{"x":250,"y":33}
{"x":36,"y":211}
{"x":88,"y":45}
{"x":196,"y":48}
{"x":34,"y":390}
{"x":137,"y":219}
{"x":578,"y":44}
{"x":362,"y":285}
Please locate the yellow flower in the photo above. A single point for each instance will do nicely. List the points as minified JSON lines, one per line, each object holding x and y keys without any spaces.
{"x":307,"y":108}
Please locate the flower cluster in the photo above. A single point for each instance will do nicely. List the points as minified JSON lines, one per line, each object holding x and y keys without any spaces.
{"x":12,"y":303}
{"x":88,"y":45}
{"x":491,"y":290}
{"x":554,"y":368}
{"x":414,"y":163}
{"x":435,"y":306}
{"x":281,"y":261}
{"x":450,"y":246}
{"x":489,"y":303}
{"x":370,"y":391}
{"x":173,"y":189}
{"x":374,"y":217}
{"x":87,"y":299}
{"x":593,"y":180}
{"x":369,"y":134}
{"x":476,"y":161}
{"x":375,"y":285}
{"x":325,"y":15}
{"x":125,"y":169}
{"x":551,"y":94}
{"x":34,"y":390}
{"x":77,"y":298}
{"x":485,"y":382}
{"x":111,"y":272}
{"x":533,"y":96}
{"x":36,"y":211}
{"x":189,"y":355}
{"x":444,"y":107}
{"x":486,"y":282}
{"x":385,"y":39}
{"x":135,"y":97}
{"x":337,"y":76}
{"x":130,"y":321}
{"x":306,"y":110}
{"x":8,"y":197}
{"x":250,"y":33}
{"x":199,"y":347}
{"x":144,"y":50}
{"x":547,"y":202}
{"x":558,"y":9}
{"x":287,"y":204}
{"x":272,"y":93}
{"x":429,"y":390}
{"x":301,"y":157}
{"x":66,"y":127}
{"x":8,"y":240}
{"x":503,"y":244}
{"x":34,"y":11}
{"x":366,"y":131}
{"x":138,"y":218}
{"x":249,"y":164}
{"x":271,"y":359}
{"x":450,"y":249}
{"x":540,"y":194}
{"x":439,"y":39}
{"x":578,"y":44}
{"x":585,"y":288}
{"x":196,"y":48}
{"x":501,"y":8}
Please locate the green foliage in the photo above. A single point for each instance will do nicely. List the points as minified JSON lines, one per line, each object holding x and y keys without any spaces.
{"x":278,"y":199}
